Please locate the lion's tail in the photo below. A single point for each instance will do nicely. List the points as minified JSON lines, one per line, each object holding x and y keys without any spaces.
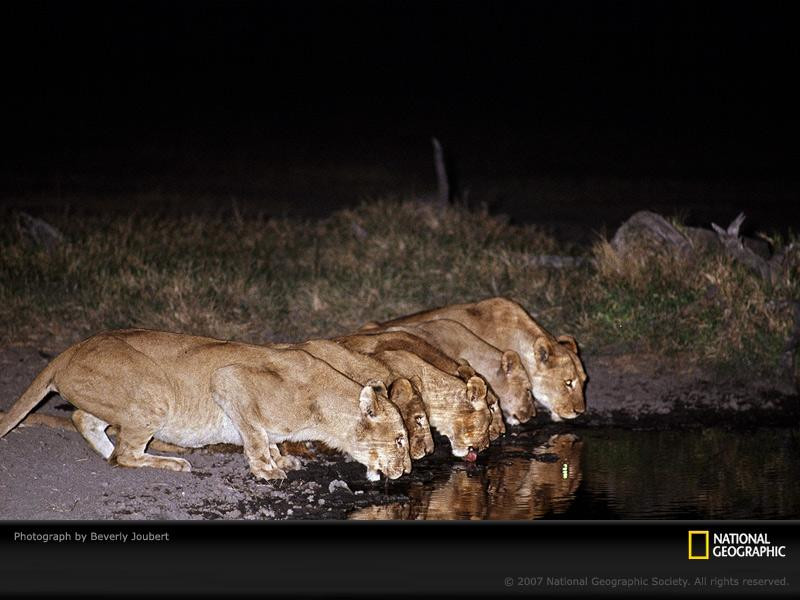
{"x":41,"y":386}
{"x":51,"y":421}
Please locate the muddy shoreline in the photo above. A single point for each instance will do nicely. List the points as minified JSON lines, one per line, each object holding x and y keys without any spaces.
{"x":48,"y":474}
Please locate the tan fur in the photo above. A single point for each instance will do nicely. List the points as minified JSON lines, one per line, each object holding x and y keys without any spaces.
{"x":409,"y":342}
{"x":503,"y":371}
{"x":554,"y":370}
{"x":362,"y":368}
{"x":194,"y":391}
{"x":458,"y":410}
{"x":66,"y":424}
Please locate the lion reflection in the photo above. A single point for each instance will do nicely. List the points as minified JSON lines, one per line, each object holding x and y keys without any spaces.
{"x":515,"y":488}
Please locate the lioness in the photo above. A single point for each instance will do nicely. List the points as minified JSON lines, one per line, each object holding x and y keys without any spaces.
{"x":371,"y":343}
{"x":458,"y":410}
{"x":554,"y":369}
{"x":503,"y":371}
{"x":362,"y":368}
{"x":193,"y":391}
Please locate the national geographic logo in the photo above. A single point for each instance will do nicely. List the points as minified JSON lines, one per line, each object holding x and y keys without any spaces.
{"x":703,"y":545}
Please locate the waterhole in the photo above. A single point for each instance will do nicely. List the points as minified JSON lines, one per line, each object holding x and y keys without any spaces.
{"x":611,"y":474}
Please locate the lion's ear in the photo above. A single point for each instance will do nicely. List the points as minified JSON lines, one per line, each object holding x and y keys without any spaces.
{"x":368,"y":401}
{"x":542,"y":349}
{"x":465,"y":371}
{"x":400,"y":391}
{"x":416,"y":383}
{"x":509,"y":360}
{"x":476,"y":390}
{"x":568,"y":341}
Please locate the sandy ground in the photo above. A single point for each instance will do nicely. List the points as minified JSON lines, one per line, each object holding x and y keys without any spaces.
{"x":52,"y":474}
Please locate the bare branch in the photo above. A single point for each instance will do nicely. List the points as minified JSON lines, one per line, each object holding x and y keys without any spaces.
{"x":442,"y":183}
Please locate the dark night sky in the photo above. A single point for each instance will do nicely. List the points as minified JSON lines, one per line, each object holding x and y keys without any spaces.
{"x":694,"y":89}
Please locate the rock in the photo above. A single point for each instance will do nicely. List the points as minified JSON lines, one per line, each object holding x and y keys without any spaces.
{"x":653,"y":228}
{"x":647,"y":229}
{"x":338,"y":484}
{"x":359,"y":231}
{"x":553,"y":261}
{"x":41,"y":231}
{"x":758,"y":247}
{"x":703,"y":240}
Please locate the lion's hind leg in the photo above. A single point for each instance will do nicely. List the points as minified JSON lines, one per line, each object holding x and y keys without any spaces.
{"x":110,"y":382}
{"x":129,"y":452}
{"x":94,"y":431}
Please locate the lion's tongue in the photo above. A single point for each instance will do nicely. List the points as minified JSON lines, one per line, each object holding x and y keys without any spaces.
{"x":471,"y":456}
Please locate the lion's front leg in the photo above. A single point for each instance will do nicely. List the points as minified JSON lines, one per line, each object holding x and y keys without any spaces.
{"x":232,"y":390}
{"x":259,"y":455}
{"x":287,"y":462}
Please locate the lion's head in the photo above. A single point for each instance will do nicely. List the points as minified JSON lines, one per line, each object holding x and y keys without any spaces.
{"x":497,"y":427}
{"x":558,"y":379}
{"x":406,"y":397}
{"x":514,"y":389}
{"x":381,"y":440}
{"x":470,"y":419}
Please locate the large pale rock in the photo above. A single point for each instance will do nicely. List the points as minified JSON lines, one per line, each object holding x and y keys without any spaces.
{"x":646,"y":229}
{"x":651,"y":228}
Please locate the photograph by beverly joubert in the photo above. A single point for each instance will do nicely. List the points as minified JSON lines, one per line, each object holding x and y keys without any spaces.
{"x":399,"y":261}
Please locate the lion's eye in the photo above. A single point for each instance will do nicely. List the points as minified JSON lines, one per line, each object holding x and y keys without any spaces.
{"x":568,"y":383}
{"x":420,"y":420}
{"x":400,"y":441}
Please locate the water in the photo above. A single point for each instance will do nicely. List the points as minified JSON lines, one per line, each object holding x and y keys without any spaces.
{"x":613,"y":474}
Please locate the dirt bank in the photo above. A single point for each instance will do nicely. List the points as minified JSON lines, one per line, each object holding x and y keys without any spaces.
{"x":54,"y":474}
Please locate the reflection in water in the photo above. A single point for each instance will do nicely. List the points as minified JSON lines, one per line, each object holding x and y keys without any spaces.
{"x":613,"y":474}
{"x":515,"y":486}
{"x":522,"y":488}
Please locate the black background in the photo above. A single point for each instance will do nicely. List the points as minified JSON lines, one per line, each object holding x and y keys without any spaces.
{"x":634,"y":89}
{"x":325,"y":558}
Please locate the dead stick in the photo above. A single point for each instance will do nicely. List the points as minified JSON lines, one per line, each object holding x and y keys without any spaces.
{"x":442,"y":184}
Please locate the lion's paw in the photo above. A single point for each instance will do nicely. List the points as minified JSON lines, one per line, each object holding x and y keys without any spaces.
{"x":289,"y":463}
{"x":177,"y":464}
{"x":267,"y":473}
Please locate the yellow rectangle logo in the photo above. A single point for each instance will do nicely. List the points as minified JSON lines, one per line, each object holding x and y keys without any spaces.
{"x":698,"y":544}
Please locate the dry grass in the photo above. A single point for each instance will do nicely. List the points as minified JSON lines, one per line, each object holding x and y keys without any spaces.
{"x":707,"y":307}
{"x":282,"y":279}
{"x":259,"y":279}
